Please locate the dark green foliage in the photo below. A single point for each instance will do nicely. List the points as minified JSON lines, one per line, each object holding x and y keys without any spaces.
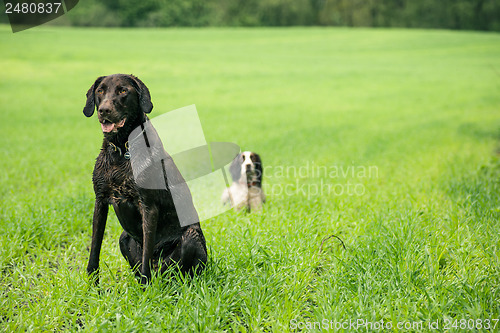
{"x":445,"y":14}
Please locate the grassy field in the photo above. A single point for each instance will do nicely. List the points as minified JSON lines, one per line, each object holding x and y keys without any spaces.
{"x":386,"y":139}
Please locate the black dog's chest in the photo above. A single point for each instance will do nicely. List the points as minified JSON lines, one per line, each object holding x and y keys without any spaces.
{"x":121,"y":183}
{"x":124,"y":197}
{"x":122,"y":189}
{"x":114,"y":180}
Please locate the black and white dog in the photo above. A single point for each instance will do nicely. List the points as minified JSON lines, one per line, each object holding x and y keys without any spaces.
{"x":246,"y":189}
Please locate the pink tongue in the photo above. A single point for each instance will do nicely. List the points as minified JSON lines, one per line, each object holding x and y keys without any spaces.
{"x":108,"y":127}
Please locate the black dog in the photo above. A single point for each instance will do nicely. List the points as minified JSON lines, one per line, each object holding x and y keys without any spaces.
{"x":153,"y":235}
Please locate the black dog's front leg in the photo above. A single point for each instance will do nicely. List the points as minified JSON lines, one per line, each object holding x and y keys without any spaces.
{"x":149,"y":224}
{"x":98,"y":225}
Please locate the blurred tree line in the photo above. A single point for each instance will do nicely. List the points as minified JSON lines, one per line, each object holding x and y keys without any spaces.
{"x":447,"y":14}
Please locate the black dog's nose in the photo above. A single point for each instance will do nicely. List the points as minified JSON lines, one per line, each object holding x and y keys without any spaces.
{"x":104,"y":110}
{"x":249,"y":167}
{"x":106,"y":107}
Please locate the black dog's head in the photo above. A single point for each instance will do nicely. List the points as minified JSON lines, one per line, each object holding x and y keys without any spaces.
{"x":121,"y":101}
{"x":247,"y":167}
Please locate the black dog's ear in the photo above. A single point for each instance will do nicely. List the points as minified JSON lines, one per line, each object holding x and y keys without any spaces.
{"x":144,"y":96}
{"x":235,"y":168}
{"x":258,"y":168}
{"x":89,"y":108}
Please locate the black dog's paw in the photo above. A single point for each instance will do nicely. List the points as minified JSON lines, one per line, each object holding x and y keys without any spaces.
{"x":93,"y":273}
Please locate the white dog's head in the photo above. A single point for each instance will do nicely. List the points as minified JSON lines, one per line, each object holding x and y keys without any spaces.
{"x":247,"y":168}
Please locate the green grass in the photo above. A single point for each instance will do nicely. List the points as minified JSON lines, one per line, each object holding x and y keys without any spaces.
{"x":422,"y":240}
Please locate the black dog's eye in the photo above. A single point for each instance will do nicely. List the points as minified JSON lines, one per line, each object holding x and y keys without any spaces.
{"x":123,"y":91}
{"x":99,"y":91}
